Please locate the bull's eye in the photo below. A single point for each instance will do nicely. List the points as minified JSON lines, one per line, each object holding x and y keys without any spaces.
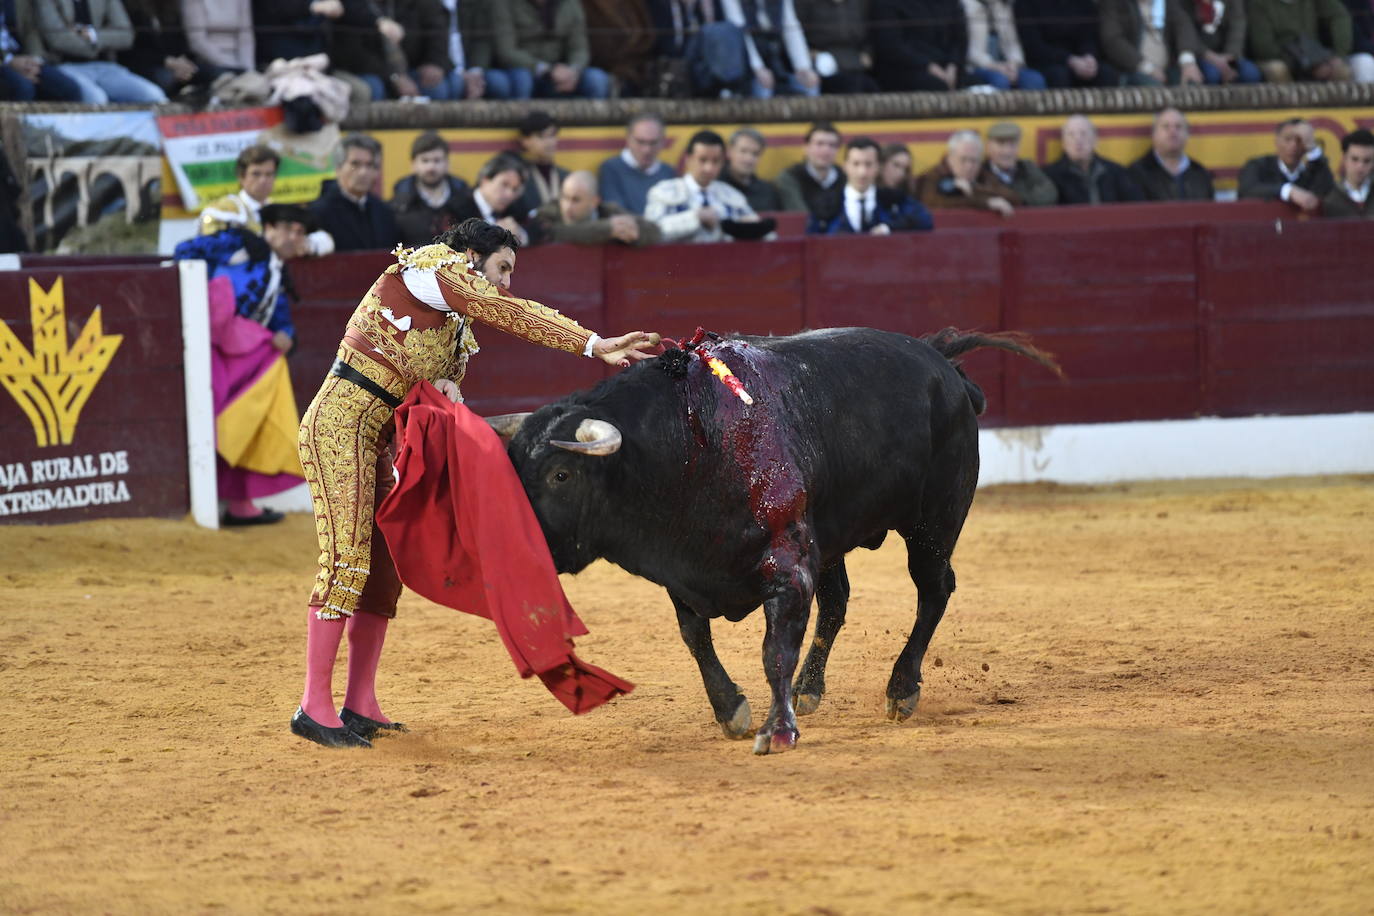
{"x":560,"y":476}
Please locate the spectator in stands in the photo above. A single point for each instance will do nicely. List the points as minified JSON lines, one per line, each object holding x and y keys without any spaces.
{"x":1300,"y":40}
{"x":357,"y":219}
{"x":287,"y":29}
{"x":815,"y":184}
{"x":1362,"y":39}
{"x":424,"y":45}
{"x":1289,"y":174}
{"x":256,"y":169}
{"x":919,"y":45}
{"x":1166,"y":172}
{"x":775,"y":47}
{"x":895,"y":171}
{"x":1215,"y":32}
{"x":691,"y":208}
{"x":994,"y":48}
{"x":24,"y":76}
{"x":864,"y":207}
{"x":1084,"y":177}
{"x":1060,"y":38}
{"x":543,"y":44}
{"x":426,"y":201}
{"x":1005,"y":165}
{"x":220,"y":34}
{"x":837,"y":31}
{"x":367,"y":44}
{"x":741,"y":171}
{"x":160,"y":53}
{"x":1350,"y":197}
{"x":469,"y":44}
{"x":580,"y":217}
{"x":626,"y":179}
{"x":500,"y":182}
{"x":955,"y":180}
{"x":1146,"y":42}
{"x":83,"y":35}
{"x":538,"y":145}
{"x":681,"y":64}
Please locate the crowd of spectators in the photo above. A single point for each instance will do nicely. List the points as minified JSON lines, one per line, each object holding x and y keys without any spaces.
{"x":147,"y":51}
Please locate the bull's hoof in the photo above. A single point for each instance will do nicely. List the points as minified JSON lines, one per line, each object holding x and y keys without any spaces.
{"x":738,"y":726}
{"x":775,"y":742}
{"x":902,"y":709}
{"x":804,"y":704}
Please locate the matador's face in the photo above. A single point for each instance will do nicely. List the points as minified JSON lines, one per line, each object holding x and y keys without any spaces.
{"x":498,"y":267}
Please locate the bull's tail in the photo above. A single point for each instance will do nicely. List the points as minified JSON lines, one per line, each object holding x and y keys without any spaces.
{"x":952,"y":343}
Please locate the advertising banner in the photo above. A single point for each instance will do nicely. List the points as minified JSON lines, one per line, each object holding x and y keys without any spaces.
{"x":92,"y":404}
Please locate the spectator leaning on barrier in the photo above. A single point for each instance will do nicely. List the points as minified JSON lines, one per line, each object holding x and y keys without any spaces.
{"x":919,"y":45}
{"x":357,"y":219}
{"x":84,"y":35}
{"x":837,"y":33}
{"x":1362,"y":39}
{"x":426,"y":201}
{"x":994,"y":48}
{"x":538,"y":144}
{"x":691,"y":208}
{"x":741,"y":170}
{"x":775,"y":47}
{"x":1166,"y":172}
{"x":955,"y":180}
{"x":895,"y":168}
{"x":1005,"y":166}
{"x":814,"y":184}
{"x":24,"y":76}
{"x":864,"y":208}
{"x":1290,"y":174}
{"x":1217,"y":34}
{"x":625,"y":179}
{"x":543,"y":44}
{"x":1148,"y":41}
{"x":1060,"y":39}
{"x":500,"y":182}
{"x":1084,"y":177}
{"x":580,"y":217}
{"x":1349,"y":199}
{"x":1300,"y":39}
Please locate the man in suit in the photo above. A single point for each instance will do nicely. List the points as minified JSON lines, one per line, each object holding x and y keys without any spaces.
{"x":863,"y":207}
{"x":691,"y":208}
{"x":1290,"y":174}
{"x":1350,"y":199}
{"x":357,"y":219}
{"x":1166,"y":172}
{"x":500,"y":182}
{"x":1084,"y":177}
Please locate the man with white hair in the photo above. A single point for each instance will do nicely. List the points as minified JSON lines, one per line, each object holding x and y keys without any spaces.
{"x":955,"y":180}
{"x":1084,"y":177}
{"x":1166,"y":172}
{"x":580,"y":217}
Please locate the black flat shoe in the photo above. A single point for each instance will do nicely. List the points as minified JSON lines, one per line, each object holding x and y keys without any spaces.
{"x":265,"y":517}
{"x":367,"y":728}
{"x":310,"y":730}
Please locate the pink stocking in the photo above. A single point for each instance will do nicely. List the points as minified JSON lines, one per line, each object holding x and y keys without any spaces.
{"x":321,"y":647}
{"x":242,"y":508}
{"x":366,"y":633}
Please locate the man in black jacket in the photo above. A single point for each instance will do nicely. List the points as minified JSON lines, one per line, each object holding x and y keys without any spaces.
{"x":1084,"y":177}
{"x":500,"y":182}
{"x":1289,"y":175}
{"x":426,"y":201}
{"x":919,"y":45}
{"x":356,"y":218}
{"x":1166,"y":172}
{"x":1060,"y":39}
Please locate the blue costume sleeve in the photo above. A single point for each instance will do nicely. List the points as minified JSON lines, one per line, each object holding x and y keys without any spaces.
{"x":912,"y":216}
{"x":215,"y":249}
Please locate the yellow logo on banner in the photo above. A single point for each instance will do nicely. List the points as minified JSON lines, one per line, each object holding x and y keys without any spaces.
{"x":52,"y":383}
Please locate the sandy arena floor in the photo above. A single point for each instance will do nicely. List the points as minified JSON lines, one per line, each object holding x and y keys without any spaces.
{"x":1145,"y":699}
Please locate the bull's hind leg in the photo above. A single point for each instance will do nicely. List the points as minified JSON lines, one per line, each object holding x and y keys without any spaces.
{"x":728,"y":703}
{"x":786,"y":615}
{"x":832,"y":598}
{"x":934,"y":579}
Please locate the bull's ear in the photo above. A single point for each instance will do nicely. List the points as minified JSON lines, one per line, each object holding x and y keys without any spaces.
{"x":507,"y":424}
{"x":594,"y":437}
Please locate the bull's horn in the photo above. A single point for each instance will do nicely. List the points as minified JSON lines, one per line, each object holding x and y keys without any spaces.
{"x":594,"y":437}
{"x":507,"y":424}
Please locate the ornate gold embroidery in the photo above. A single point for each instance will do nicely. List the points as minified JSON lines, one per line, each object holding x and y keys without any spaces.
{"x":524,"y":318}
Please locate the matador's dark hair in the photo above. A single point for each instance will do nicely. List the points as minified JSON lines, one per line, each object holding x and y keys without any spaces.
{"x":482,"y":237}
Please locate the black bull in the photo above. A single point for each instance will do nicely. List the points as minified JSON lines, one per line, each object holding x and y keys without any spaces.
{"x":667,"y":473}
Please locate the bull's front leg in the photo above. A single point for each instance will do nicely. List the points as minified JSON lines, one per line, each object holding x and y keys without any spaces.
{"x":727,"y":702}
{"x":786,"y":615}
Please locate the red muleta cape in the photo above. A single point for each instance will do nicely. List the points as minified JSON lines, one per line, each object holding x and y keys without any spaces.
{"x":462,"y":534}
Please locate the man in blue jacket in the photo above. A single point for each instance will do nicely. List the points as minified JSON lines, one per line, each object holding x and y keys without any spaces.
{"x":864,"y":207}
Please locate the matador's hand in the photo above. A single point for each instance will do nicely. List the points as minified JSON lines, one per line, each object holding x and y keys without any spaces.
{"x":448,"y":389}
{"x":621,"y":351}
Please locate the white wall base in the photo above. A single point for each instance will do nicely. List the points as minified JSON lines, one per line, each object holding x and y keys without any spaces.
{"x":296,"y":499}
{"x":1172,"y":449}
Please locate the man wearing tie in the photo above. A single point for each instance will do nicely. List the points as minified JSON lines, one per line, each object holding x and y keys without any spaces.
{"x":690,"y":208}
{"x":864,"y":207}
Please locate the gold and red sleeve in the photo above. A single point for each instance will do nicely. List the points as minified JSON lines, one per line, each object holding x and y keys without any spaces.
{"x":483,"y":301}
